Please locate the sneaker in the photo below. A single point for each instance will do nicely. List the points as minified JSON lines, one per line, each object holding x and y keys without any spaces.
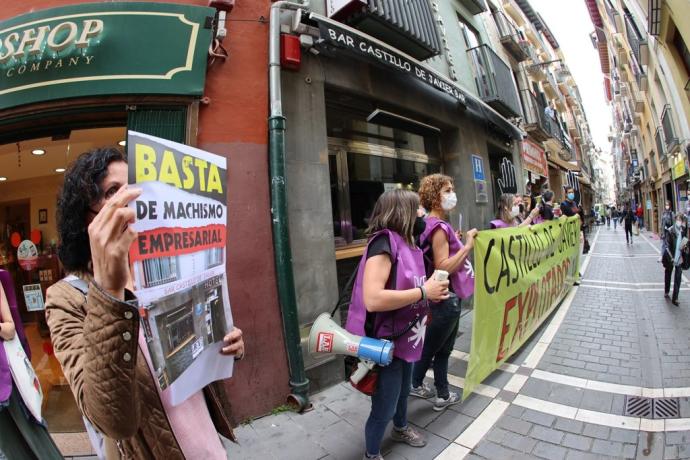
{"x":424,"y":391}
{"x":675,"y":302}
{"x":666,"y":296}
{"x":376,"y":457}
{"x":440,"y":403}
{"x":409,"y":436}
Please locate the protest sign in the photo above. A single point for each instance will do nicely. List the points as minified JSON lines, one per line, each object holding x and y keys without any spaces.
{"x":521,"y":275}
{"x":178,"y":262}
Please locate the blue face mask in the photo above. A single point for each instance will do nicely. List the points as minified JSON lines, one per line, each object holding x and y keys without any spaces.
{"x":571,"y":196}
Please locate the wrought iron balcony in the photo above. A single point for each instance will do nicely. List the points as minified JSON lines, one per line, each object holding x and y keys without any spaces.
{"x":511,"y":37}
{"x":494,"y":81}
{"x":669,"y":131}
{"x":408,"y":26}
{"x":638,"y":44}
{"x":534,"y":116}
{"x":660,"y":147}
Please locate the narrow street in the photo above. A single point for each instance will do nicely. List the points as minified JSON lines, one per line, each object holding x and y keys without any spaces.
{"x":563,"y":396}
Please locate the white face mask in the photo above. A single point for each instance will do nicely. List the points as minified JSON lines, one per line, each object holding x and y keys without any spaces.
{"x":679,"y":224}
{"x":448,"y":201}
{"x":515,"y":211}
{"x":668,"y":208}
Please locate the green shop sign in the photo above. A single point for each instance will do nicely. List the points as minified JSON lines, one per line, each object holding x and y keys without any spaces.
{"x":95,"y":49}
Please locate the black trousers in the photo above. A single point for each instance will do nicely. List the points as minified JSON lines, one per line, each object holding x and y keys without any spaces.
{"x":677,"y":279}
{"x":628,"y":230}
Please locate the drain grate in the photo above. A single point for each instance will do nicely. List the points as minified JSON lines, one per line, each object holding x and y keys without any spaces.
{"x":657,"y":408}
{"x":666,"y":408}
{"x":637,"y":406}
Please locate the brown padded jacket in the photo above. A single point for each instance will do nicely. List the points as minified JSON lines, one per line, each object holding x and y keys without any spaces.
{"x":95,"y":341}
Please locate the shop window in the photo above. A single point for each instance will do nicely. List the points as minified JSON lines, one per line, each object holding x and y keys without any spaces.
{"x":160,"y":270}
{"x":180,"y":327}
{"x":365,"y":160}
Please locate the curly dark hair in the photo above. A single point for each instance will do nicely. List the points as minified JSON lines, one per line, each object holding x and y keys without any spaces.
{"x":430,"y":190}
{"x":79,"y":192}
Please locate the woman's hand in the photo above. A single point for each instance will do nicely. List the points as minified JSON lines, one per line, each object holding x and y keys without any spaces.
{"x":436,"y":290}
{"x":234,"y":344}
{"x":471,"y":235}
{"x":110,"y":236}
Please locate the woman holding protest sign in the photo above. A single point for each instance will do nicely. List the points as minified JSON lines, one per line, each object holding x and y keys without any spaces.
{"x":389,"y":299}
{"x":95,"y":326}
{"x":21,"y":435}
{"x":508,"y":211}
{"x":443,"y":251}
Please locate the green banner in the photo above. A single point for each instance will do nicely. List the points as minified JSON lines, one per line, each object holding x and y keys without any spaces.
{"x":91,"y":49}
{"x":521,"y":276}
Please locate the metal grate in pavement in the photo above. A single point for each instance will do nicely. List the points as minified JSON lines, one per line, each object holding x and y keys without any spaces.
{"x":657,"y":408}
{"x":666,"y":408}
{"x":638,"y":406}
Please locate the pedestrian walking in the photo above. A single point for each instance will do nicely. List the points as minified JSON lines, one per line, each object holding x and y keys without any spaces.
{"x":667,"y":220}
{"x":614,"y":217}
{"x":445,"y":252}
{"x":608,"y":217}
{"x":22,"y":437}
{"x":628,"y":219}
{"x":639,"y":213}
{"x":97,"y":337}
{"x":676,"y":241}
{"x":389,"y":299}
{"x":508,"y":212}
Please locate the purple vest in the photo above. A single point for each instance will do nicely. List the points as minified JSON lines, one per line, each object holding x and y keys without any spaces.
{"x":462,"y":280}
{"x":409,"y":274}
{"x":5,"y":375}
{"x":499,"y":223}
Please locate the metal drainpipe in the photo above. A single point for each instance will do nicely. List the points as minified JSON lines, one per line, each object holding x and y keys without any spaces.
{"x":299,"y":384}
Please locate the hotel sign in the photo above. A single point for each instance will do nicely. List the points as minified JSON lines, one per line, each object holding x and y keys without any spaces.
{"x":96,"y":49}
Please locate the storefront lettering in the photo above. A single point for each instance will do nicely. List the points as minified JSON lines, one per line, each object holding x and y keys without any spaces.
{"x":48,"y":64}
{"x":56,"y":38}
{"x":371,"y":49}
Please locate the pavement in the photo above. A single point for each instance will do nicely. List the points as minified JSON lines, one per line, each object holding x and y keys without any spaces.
{"x":613,"y":343}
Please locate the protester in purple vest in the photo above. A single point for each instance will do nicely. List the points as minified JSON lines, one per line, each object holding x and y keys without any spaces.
{"x":445,"y":251}
{"x":389,"y":299}
{"x":508,"y":210}
{"x":21,"y":437}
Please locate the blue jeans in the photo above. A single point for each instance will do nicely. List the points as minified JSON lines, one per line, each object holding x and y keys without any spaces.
{"x":438,"y":344}
{"x":389,"y":401}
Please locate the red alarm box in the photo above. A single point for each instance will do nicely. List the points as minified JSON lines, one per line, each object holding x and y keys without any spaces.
{"x":290,"y":52}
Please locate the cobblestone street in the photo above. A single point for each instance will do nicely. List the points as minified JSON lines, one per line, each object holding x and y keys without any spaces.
{"x":563,"y":396}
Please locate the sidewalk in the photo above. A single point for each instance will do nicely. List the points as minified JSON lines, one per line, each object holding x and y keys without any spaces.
{"x":563,"y":396}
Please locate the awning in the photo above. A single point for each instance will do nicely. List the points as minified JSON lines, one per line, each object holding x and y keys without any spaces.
{"x":367,"y":48}
{"x":555,"y":161}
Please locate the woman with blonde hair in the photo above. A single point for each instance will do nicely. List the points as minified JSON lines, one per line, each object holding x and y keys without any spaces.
{"x":508,"y":211}
{"x":446,"y":252}
{"x":389,"y":300}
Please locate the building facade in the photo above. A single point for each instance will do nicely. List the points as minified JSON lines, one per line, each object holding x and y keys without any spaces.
{"x":646,"y":65}
{"x":144,"y":66}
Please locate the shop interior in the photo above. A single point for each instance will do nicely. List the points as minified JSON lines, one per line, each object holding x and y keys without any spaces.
{"x":31,"y":174}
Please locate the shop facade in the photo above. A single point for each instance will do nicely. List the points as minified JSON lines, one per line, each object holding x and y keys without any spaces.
{"x":363,"y":117}
{"x":78,"y":76}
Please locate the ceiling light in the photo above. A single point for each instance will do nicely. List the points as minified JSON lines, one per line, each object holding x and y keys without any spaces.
{"x":3,"y":178}
{"x":122,"y":143}
{"x":38,"y":152}
{"x":59,"y":170}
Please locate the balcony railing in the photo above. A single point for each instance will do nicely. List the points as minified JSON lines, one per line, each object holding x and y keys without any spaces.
{"x":638,"y":44}
{"x":494,"y":81}
{"x":660,"y":147}
{"x":511,"y":37}
{"x":669,"y":131}
{"x":534,"y":116}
